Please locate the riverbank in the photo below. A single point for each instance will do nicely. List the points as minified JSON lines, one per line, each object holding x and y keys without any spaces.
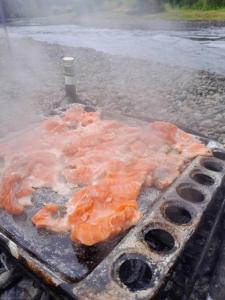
{"x":32,"y":85}
{"x":172,"y":19}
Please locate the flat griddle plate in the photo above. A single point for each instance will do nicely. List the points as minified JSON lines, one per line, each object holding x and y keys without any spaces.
{"x":63,"y":263}
{"x":70,"y":260}
{"x":56,"y":251}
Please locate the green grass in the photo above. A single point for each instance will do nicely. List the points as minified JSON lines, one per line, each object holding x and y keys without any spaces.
{"x":194,"y":14}
{"x":172,"y":14}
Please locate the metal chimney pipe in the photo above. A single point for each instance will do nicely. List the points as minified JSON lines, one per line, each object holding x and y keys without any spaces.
{"x":69,"y":75}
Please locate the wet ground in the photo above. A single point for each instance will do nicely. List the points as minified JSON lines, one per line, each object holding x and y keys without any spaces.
{"x":31,"y":81}
{"x":199,"y":49}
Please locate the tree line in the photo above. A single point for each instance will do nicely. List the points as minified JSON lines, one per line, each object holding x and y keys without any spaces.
{"x":201,"y":4}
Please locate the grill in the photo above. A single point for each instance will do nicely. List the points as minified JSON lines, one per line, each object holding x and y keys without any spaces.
{"x":139,"y":262}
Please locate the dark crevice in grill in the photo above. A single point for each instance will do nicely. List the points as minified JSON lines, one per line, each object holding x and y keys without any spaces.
{"x":10,"y":275}
{"x":8,"y":279}
{"x":190,"y":194}
{"x":24,"y":289}
{"x":203,"y":179}
{"x":17,"y":282}
{"x":24,"y":285}
{"x":159,"y":240}
{"x":135,"y":274}
{"x":178,"y":215}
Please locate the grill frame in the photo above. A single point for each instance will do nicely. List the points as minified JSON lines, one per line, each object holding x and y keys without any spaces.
{"x":103,"y":282}
{"x":106,"y":284}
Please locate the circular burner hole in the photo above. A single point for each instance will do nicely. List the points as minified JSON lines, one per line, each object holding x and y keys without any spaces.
{"x":159,"y":240}
{"x":178,"y":215}
{"x":212,"y":165}
{"x":190,"y":194}
{"x":135,"y":273}
{"x":203,"y":179}
{"x":219,"y":153}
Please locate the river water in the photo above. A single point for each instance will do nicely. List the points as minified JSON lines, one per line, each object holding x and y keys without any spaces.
{"x":201,"y":49}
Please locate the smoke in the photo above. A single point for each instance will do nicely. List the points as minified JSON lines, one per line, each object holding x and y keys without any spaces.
{"x":31,"y":76}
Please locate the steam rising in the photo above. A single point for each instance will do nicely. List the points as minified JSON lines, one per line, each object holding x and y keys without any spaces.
{"x":152,"y":73}
{"x":27,"y":88}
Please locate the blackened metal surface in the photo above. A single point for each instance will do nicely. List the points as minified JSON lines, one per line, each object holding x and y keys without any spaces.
{"x":71,"y":261}
{"x":53,"y":249}
{"x":64,"y":264}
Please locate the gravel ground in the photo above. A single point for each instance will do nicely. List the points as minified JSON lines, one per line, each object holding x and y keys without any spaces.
{"x":31,"y":83}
